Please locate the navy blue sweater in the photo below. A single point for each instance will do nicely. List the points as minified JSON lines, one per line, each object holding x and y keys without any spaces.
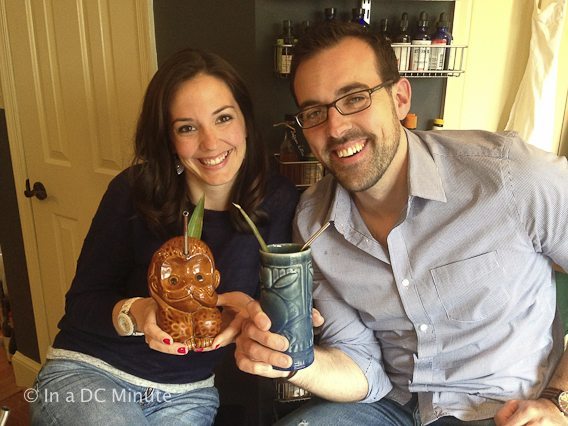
{"x":113,"y":265}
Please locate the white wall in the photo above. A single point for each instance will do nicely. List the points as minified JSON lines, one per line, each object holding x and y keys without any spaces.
{"x":498,"y":35}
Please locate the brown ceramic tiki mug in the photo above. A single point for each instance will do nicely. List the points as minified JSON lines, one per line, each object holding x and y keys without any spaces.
{"x":182,"y":280}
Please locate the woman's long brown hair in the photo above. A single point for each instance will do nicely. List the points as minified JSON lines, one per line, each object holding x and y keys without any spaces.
{"x":160,"y":195}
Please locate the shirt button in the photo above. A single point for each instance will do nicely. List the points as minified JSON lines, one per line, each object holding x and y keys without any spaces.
{"x":405,"y":283}
{"x":423,"y":327}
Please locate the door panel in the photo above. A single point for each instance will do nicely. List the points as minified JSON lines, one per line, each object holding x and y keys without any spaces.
{"x":78,"y":70}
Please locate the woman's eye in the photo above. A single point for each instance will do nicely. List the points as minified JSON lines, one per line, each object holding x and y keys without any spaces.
{"x":185,"y":129}
{"x":224,"y":118}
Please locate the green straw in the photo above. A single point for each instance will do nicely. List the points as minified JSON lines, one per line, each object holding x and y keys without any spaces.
{"x":263,"y":245}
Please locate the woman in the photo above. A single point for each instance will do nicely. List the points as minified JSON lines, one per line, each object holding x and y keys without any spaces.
{"x":195,"y":136}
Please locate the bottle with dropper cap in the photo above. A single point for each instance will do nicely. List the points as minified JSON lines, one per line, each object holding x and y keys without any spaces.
{"x":401,"y":44}
{"x":441,"y":38}
{"x":384,"y":30}
{"x":329,"y":14}
{"x":421,"y":42}
{"x":358,"y":16}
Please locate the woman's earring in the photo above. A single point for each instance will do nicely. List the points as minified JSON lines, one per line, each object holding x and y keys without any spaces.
{"x":179,"y":166}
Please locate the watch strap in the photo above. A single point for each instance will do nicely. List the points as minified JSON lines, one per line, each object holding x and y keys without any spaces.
{"x":125,"y":309}
{"x":552,"y":394}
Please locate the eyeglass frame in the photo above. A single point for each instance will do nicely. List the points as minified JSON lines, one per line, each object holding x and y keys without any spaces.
{"x":334,"y":104}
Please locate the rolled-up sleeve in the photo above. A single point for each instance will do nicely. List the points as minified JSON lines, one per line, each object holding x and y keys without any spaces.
{"x":344,"y":330}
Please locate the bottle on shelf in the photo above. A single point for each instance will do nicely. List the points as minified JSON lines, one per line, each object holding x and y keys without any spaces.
{"x":410,"y":121}
{"x":329,"y":13}
{"x":291,"y":152}
{"x":438,"y":124}
{"x":440,"y":39}
{"x":284,"y":49}
{"x":421,"y":42}
{"x":401,"y":43}
{"x":403,"y":36}
{"x":290,"y":148}
{"x":384,"y":30}
{"x":313,"y":170}
{"x":358,"y":16}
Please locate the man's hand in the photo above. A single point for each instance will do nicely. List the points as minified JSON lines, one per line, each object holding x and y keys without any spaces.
{"x":258,"y":349}
{"x":530,"y":412}
{"x":234,"y":305}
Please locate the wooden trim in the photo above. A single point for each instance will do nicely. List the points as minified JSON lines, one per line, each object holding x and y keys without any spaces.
{"x":20,"y":174}
{"x":25,"y":369}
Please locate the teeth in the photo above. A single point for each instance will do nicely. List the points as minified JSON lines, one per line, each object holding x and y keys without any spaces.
{"x":215,"y":161}
{"x":348,"y":152}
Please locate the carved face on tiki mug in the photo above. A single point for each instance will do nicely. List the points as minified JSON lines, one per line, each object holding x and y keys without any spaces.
{"x":184,"y":286}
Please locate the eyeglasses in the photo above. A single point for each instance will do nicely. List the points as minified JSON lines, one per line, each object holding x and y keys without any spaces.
{"x":345,"y":105}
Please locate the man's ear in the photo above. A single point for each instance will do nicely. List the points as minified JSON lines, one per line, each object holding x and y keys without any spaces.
{"x":401,"y":94}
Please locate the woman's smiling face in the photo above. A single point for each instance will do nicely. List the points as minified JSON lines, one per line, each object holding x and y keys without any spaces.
{"x":208,"y":131}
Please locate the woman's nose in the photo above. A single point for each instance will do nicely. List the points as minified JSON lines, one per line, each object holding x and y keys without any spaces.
{"x":208,"y":140}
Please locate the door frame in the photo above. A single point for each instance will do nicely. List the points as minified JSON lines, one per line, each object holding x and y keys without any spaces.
{"x":26,"y":368}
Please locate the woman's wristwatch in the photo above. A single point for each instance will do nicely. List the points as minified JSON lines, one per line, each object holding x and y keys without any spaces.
{"x":558,"y":396}
{"x":125,"y":321}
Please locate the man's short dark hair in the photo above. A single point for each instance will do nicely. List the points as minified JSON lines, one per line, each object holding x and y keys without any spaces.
{"x":327,"y":34}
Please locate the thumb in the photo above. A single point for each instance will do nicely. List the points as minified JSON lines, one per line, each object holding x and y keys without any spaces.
{"x":506,"y":412}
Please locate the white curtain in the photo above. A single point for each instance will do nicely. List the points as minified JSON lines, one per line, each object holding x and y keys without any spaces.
{"x":532,"y":114}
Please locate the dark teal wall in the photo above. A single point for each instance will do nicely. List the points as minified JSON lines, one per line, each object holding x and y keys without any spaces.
{"x":13,"y":254}
{"x":244,"y":33}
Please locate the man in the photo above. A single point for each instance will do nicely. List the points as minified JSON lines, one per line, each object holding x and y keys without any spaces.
{"x":435,"y":280}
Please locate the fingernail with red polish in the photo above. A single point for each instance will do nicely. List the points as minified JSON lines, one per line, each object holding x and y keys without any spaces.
{"x":182,"y":350}
{"x":167,"y":341}
{"x":216,"y":347}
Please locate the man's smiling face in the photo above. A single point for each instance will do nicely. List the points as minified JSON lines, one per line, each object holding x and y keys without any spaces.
{"x":357,"y":149}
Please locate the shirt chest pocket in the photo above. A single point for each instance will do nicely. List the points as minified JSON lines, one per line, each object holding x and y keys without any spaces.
{"x":473,"y":289}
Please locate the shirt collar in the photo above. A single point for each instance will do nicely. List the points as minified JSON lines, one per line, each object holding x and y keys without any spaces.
{"x":424,"y":181}
{"x":423,"y":177}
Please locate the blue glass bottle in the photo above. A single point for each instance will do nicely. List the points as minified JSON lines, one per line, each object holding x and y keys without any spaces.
{"x":358,"y":16}
{"x":440,"y":39}
{"x":421,"y":42}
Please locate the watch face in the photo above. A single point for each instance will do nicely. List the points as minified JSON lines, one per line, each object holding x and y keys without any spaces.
{"x":125,"y":324}
{"x":563,"y":402}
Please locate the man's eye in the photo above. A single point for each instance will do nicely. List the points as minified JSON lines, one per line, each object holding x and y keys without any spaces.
{"x":355,"y":99}
{"x":312,"y":114}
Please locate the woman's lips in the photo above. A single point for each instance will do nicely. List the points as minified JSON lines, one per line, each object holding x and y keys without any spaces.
{"x":214,"y":161}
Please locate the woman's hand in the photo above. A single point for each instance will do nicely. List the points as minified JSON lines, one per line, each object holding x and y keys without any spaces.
{"x":144,"y":312}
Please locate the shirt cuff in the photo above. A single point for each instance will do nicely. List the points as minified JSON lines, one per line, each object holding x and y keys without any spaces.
{"x":377,"y":380}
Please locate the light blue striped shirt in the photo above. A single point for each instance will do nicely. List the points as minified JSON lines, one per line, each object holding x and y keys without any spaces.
{"x":461,"y":308}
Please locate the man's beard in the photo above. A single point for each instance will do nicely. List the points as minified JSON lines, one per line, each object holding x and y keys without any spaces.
{"x":362,"y":176}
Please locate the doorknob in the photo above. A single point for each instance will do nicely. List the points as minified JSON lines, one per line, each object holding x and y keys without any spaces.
{"x":37,"y":191}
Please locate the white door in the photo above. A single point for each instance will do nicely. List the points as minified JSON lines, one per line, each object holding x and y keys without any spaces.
{"x":73,"y":76}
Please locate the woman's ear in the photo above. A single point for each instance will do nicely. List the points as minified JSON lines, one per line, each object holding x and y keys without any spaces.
{"x":402,"y":93}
